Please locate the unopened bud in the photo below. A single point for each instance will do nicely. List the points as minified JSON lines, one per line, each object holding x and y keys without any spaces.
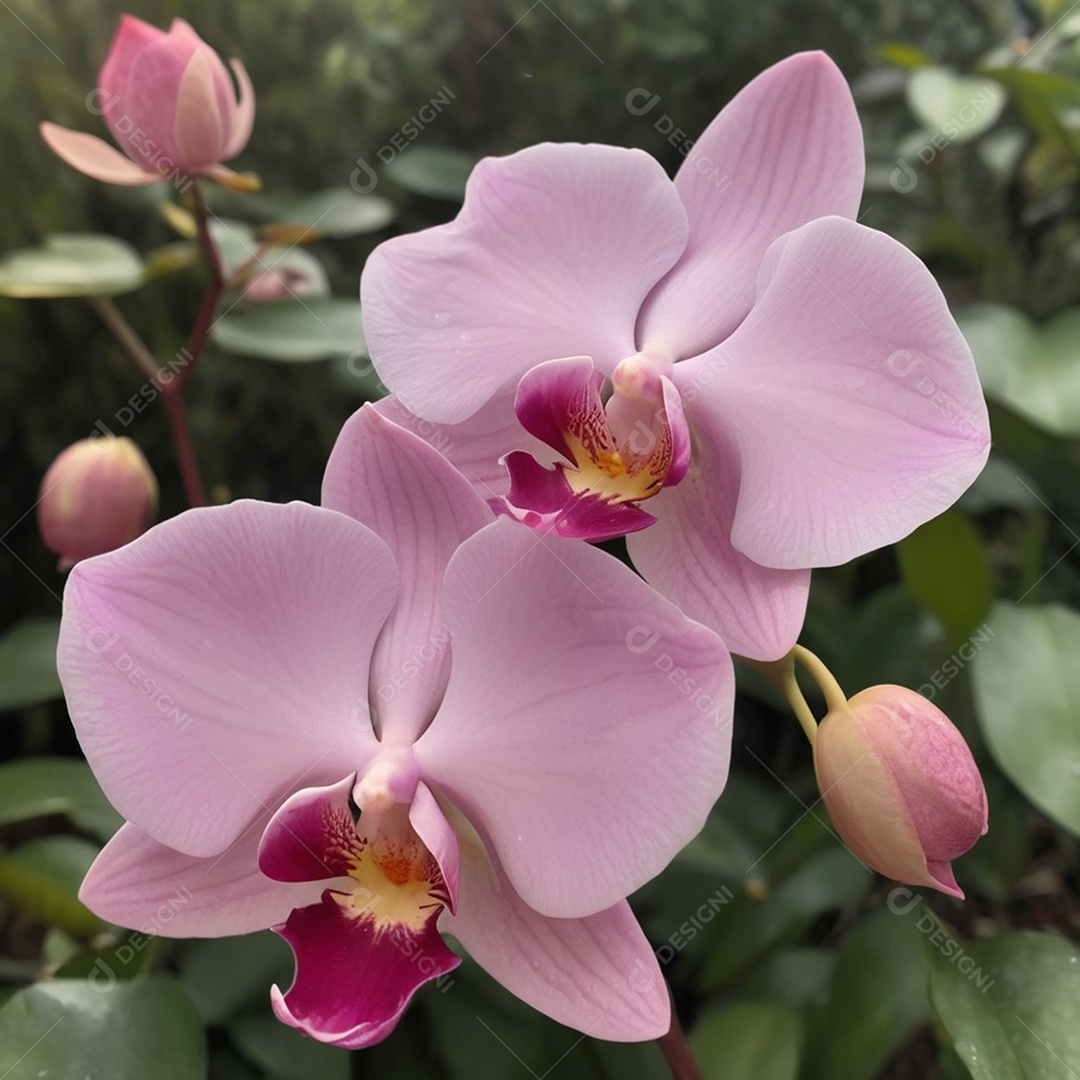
{"x":95,"y":498}
{"x":900,"y":785}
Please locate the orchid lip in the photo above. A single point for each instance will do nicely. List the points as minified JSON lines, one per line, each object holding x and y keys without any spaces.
{"x":617,"y":454}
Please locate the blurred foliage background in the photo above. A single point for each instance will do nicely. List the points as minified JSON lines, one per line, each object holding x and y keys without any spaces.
{"x":788,"y":959}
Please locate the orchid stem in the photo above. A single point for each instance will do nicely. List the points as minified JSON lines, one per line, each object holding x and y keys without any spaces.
{"x":835,"y":698}
{"x":676,"y":1050}
{"x":782,"y":674}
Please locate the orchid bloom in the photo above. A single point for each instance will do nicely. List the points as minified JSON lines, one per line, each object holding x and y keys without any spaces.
{"x":900,"y":785}
{"x":727,"y":367}
{"x":368,"y":723}
{"x":171,"y":106}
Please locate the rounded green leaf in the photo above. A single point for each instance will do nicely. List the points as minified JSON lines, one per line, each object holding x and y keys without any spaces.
{"x":67,"y":1030}
{"x":1027,"y":694}
{"x":748,"y":1041}
{"x":434,"y":171}
{"x":955,"y":107}
{"x":34,"y":787}
{"x":72,"y":264}
{"x":293,"y":331}
{"x":944,"y":566}
{"x":28,"y":663}
{"x":42,"y":878}
{"x":1009,"y":1005}
{"x":877,"y":999}
{"x":1031,"y":369}
{"x":337,"y":211}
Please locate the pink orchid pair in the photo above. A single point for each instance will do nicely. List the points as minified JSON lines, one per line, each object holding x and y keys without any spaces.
{"x":403,"y":716}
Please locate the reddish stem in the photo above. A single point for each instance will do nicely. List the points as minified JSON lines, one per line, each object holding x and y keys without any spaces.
{"x":676,"y":1050}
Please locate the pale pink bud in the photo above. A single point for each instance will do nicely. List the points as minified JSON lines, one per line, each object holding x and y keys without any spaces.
{"x":99,"y":494}
{"x":900,"y":785}
{"x":171,"y":105}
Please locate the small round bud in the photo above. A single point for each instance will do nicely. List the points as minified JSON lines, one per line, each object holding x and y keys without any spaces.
{"x":96,"y":496}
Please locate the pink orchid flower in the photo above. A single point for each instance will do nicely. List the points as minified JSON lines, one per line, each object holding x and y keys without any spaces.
{"x":244,"y":678}
{"x":785,"y":387}
{"x":169,"y":103}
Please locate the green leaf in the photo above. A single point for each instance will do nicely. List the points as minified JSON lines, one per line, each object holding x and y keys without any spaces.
{"x":1031,"y":369}
{"x":750,"y":928}
{"x":337,"y":211}
{"x":35,"y":787}
{"x":66,"y":1030}
{"x":1045,"y":98}
{"x":28,"y":663}
{"x":944,"y":566}
{"x":1009,"y":1005}
{"x":433,"y":171}
{"x":72,"y":264}
{"x":955,"y":107}
{"x":1027,"y":694}
{"x":293,"y":331}
{"x":224,"y":975}
{"x":877,"y":999}
{"x":748,"y":1041}
{"x":798,"y":976}
{"x":285,"y":1053}
{"x":42,"y":878}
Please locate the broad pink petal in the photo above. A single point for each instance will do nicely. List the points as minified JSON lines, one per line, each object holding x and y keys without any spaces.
{"x":353,"y":978}
{"x":411,"y":496}
{"x":786,"y":150}
{"x":476,"y":446}
{"x":219,"y":661}
{"x":242,"y":120}
{"x":139,"y":883}
{"x":311,"y":835}
{"x":688,"y":556}
{"x":552,"y":255}
{"x":596,"y":974}
{"x":94,"y":157}
{"x":131,"y":37}
{"x":438,"y":837}
{"x":588,"y":764}
{"x":850,"y":396}
{"x":199,"y":126}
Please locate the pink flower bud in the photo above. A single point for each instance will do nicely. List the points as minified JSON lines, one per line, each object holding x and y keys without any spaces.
{"x":170,"y":104}
{"x":98,"y":495}
{"x":900,"y":785}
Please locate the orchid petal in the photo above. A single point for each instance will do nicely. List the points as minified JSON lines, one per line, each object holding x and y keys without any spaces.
{"x":199,"y":126}
{"x":688,"y":556}
{"x":94,"y":157}
{"x":786,"y":150}
{"x":547,"y":681}
{"x":139,"y":883}
{"x":242,"y":119}
{"x":219,"y":631}
{"x":354,"y":979}
{"x":311,"y":836}
{"x":562,"y":394}
{"x":542,"y":499}
{"x":131,"y":38}
{"x":596,"y":974}
{"x":399,"y":486}
{"x":552,"y":255}
{"x":476,"y":446}
{"x":850,"y":398}
{"x":438,"y":837}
